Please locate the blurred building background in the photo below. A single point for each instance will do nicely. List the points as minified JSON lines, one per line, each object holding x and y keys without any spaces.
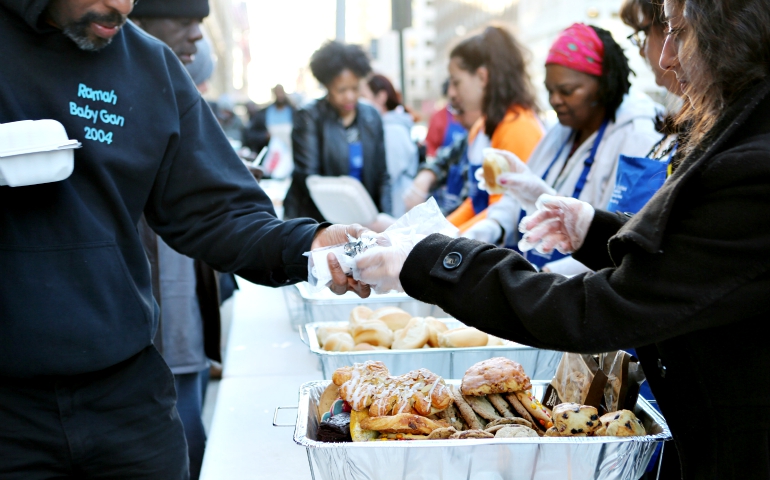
{"x":259,"y":44}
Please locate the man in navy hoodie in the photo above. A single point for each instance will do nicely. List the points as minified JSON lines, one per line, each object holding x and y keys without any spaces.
{"x":83,"y":393}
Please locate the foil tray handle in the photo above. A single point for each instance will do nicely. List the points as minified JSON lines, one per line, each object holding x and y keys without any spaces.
{"x":275,"y":416}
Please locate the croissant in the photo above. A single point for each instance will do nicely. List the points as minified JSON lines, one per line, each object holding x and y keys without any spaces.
{"x":403,"y":423}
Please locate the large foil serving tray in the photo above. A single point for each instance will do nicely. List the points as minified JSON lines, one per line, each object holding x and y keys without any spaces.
{"x":544,"y":458}
{"x":446,"y":362}
{"x":306,"y":306}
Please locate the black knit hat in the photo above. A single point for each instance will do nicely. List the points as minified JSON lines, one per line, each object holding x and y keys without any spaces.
{"x":171,"y":8}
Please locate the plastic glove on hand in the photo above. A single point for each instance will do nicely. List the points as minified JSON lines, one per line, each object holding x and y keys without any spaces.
{"x":512,"y":165}
{"x":559,"y":223}
{"x":487,"y":230}
{"x":515,"y":164}
{"x":380,"y":267}
{"x":525,"y":187}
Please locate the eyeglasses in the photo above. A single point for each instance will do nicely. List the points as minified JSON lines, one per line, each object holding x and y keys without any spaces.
{"x":639,"y":38}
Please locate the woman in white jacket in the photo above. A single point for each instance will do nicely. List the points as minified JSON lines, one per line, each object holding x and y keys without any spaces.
{"x":587,"y":79}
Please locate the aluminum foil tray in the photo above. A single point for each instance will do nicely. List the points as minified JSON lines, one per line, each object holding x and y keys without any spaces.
{"x":324,"y":306}
{"x":597,"y":458}
{"x":446,"y":362}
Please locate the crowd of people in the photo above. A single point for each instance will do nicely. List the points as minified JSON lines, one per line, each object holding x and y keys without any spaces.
{"x":622,"y":226}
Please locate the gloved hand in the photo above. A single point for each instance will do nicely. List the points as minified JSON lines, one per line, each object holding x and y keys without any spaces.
{"x":336,"y":235}
{"x":515,"y":165}
{"x":486,"y":230}
{"x":525,"y":187}
{"x":380,"y":266}
{"x":559,"y":222}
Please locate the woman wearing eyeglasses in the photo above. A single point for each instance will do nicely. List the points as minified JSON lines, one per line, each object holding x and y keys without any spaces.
{"x":685,"y":280}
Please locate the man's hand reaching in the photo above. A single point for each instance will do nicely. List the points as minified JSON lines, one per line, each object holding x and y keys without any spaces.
{"x":336,"y":235}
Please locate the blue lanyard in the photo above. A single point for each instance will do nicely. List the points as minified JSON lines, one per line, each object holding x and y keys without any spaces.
{"x":581,"y":183}
{"x":589,"y":162}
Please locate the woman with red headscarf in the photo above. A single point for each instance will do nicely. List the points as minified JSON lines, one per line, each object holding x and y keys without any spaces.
{"x":587,"y":77}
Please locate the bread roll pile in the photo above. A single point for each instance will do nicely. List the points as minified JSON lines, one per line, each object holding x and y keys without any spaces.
{"x":393,"y":328}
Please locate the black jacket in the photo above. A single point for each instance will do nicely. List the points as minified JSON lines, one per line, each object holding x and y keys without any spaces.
{"x":255,"y":135}
{"x":686,"y":281}
{"x":75,"y":288}
{"x":321,"y":148}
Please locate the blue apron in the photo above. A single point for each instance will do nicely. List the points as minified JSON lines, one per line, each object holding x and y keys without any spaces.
{"x":637,"y":180}
{"x":540,"y":259}
{"x":453,"y":130}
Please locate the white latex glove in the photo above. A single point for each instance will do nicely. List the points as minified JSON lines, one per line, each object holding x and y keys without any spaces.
{"x":525,"y":187}
{"x":514,"y":164}
{"x":485,"y":231}
{"x":559,"y":222}
{"x":380,"y":266}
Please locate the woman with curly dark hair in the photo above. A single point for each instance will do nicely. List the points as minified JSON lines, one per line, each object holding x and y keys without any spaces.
{"x":587,"y":78}
{"x":338,"y":135}
{"x":685,"y":280}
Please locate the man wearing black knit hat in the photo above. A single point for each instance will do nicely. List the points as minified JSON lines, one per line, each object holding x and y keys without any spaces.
{"x":84,"y":393}
{"x":174,"y":22}
{"x":188,"y":291}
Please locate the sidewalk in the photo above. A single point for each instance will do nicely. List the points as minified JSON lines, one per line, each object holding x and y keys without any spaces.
{"x":264,"y":366}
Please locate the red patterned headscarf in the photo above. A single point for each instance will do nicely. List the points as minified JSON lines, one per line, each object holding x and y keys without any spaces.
{"x":578,"y":48}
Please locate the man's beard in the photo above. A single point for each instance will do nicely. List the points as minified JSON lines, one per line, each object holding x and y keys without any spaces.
{"x":78,"y":30}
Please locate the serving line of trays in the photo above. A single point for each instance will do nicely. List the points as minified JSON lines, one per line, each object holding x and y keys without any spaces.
{"x":542,"y":458}
{"x":306,"y":306}
{"x":445,"y":362}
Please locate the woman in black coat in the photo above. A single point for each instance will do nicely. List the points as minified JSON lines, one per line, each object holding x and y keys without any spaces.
{"x":686,"y":280}
{"x":338,"y":135}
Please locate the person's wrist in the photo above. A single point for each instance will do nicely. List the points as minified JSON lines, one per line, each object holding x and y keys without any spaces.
{"x":317,"y":238}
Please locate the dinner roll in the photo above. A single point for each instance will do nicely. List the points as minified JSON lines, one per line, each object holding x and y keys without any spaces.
{"x":435,"y":327}
{"x":494,"y":341}
{"x":414,"y":335}
{"x":364,"y":347}
{"x":373,"y":332}
{"x":359,"y":314}
{"x":462,"y":337}
{"x":493,"y":166}
{"x":339,"y":342}
{"x":394,"y":317}
{"x":322,"y":333}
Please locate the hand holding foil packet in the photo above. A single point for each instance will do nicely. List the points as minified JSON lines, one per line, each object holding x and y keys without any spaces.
{"x":376,"y":259}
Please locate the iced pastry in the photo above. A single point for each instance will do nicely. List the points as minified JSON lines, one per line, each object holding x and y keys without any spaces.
{"x":495,"y":375}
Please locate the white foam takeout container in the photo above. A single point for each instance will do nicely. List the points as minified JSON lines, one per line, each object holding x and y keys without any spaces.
{"x":34,"y":152}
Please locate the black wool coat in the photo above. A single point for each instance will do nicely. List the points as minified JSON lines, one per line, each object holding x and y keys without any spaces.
{"x":686,"y":281}
{"x":321,"y":148}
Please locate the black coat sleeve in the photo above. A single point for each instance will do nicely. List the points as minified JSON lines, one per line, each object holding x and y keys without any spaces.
{"x":712,"y":270}
{"x":206,"y":205}
{"x":594,"y":253}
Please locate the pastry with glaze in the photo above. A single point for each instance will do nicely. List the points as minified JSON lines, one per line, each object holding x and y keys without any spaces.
{"x":495,"y":375}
